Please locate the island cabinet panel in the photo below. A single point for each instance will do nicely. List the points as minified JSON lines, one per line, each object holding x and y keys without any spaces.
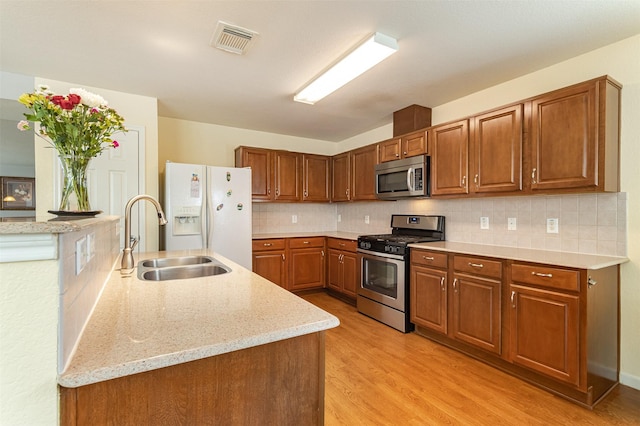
{"x":269,"y":260}
{"x":261,"y":163}
{"x":450,"y":158}
{"x":575,"y":138}
{"x":316,"y":178}
{"x":306,"y":263}
{"x":496,"y":150}
{"x":279,"y":383}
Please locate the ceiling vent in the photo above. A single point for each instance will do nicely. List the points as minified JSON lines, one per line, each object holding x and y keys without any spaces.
{"x":232,"y":39}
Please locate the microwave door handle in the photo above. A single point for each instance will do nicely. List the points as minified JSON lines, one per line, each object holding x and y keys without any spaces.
{"x":410,"y":179}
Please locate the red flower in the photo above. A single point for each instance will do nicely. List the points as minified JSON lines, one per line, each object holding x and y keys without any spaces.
{"x":67,"y":103}
{"x":115,"y":144}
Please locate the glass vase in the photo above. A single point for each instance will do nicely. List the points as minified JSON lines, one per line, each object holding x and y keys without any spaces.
{"x":75,"y":196}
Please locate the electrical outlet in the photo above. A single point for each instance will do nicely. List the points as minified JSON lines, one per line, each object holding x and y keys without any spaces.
{"x":81,"y":254}
{"x":366,"y":219}
{"x":484,"y":222}
{"x":552,"y":226}
{"x":294,"y":218}
{"x":512,"y":224}
{"x":339,"y":218}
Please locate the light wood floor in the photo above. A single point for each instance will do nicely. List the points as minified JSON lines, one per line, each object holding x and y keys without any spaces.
{"x":376,"y":375}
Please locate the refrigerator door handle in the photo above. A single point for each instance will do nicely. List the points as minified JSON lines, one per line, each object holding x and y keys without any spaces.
{"x":207,"y":208}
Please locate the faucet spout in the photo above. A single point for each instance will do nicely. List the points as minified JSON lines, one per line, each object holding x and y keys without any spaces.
{"x":127,"y":264}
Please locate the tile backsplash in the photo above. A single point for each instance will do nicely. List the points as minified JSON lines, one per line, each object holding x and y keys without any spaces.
{"x":587,"y":223}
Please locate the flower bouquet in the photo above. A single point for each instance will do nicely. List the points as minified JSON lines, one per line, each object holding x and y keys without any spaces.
{"x":79,"y":126}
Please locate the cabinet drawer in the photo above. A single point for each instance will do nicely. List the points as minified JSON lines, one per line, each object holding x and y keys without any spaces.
{"x":475,"y":265}
{"x":268,"y":244}
{"x":545,"y":276}
{"x":340,"y":244}
{"x":429,"y":258}
{"x":306,"y":242}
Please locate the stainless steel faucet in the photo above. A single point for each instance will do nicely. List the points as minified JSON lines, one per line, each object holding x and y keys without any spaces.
{"x":127,"y":264}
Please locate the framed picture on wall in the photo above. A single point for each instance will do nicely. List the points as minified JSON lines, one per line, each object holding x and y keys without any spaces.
{"x":18,"y":193}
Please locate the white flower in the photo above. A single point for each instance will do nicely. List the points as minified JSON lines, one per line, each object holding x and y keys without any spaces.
{"x":89,"y":99}
{"x":23,"y":125}
{"x":43,"y":89}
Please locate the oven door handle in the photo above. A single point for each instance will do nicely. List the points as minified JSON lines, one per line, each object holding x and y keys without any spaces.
{"x":378,"y":254}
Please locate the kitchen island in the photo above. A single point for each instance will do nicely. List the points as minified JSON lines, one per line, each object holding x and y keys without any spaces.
{"x":230,"y":348}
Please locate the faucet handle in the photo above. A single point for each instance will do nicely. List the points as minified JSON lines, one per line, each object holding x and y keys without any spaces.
{"x":133,"y":241}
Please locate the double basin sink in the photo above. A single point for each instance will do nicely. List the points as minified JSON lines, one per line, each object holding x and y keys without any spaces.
{"x":180,"y":268}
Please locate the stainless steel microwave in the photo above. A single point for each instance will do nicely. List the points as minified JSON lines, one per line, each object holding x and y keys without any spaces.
{"x":404,"y":178}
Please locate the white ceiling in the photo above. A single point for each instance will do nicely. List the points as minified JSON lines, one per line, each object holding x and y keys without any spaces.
{"x":447,"y":49}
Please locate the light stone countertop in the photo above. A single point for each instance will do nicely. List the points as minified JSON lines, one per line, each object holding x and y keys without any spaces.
{"x":49,"y":224}
{"x":139,"y":326}
{"x":332,"y":234}
{"x":556,"y":258}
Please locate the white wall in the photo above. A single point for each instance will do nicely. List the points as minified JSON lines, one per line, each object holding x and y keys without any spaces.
{"x":137,"y":110}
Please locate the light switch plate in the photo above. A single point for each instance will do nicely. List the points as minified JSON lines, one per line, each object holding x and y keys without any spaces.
{"x":366,"y":219}
{"x":339,"y":218}
{"x":552,"y":226}
{"x":512,"y":224}
{"x":484,"y":222}
{"x":81,"y":254}
{"x":294,"y":218}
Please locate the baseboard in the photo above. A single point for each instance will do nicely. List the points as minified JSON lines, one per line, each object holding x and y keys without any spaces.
{"x":630,"y":380}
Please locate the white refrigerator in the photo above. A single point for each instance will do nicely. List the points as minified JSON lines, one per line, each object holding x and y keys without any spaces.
{"x":209,"y":207}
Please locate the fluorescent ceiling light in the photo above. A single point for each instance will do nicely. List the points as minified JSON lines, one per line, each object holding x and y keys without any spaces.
{"x":372,"y":51}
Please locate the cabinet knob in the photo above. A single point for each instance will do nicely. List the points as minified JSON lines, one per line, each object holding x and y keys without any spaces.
{"x":277,"y":192}
{"x":397,"y":155}
{"x":404,"y":153}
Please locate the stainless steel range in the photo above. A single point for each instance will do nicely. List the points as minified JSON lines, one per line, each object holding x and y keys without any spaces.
{"x":383,"y":293}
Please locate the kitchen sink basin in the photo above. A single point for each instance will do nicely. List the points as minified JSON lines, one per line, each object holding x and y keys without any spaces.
{"x":180,"y":268}
{"x":165,"y":262}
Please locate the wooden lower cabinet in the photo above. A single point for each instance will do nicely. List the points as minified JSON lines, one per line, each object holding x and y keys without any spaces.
{"x":555,"y":327}
{"x":280,"y":383}
{"x":306,"y":263}
{"x":343,"y":269}
{"x":292,"y":263}
{"x":270,"y":260}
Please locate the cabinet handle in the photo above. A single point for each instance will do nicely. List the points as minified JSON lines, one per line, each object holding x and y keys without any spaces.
{"x":404,"y":153}
{"x":533,"y":175}
{"x":464,"y":181}
{"x":513,"y":299}
{"x":267,"y":244}
{"x":476,"y":265}
{"x":538,"y":274}
{"x":341,"y":244}
{"x":428,"y":258}
{"x":305,"y":242}
{"x":306,"y":194}
{"x":322,"y":251}
{"x":442,"y":283}
{"x":591,"y":282}
{"x":455,"y":285}
{"x":347,"y":192}
{"x":277,"y":192}
{"x":269,"y":191}
{"x":283,"y":257}
{"x":397,"y":155}
{"x":475,"y":180}
{"x":341,"y":258}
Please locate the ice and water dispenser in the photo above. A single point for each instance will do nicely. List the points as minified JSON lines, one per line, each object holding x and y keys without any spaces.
{"x":187,"y":220}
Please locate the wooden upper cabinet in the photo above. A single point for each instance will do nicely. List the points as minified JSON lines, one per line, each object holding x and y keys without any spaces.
{"x":414,"y":144}
{"x":341,"y":182}
{"x":575,"y":138}
{"x":316,"y":178}
{"x":287,"y":176}
{"x":402,"y":147}
{"x":363,"y":184}
{"x":261,"y":163}
{"x":390,"y":150}
{"x":449,"y":159}
{"x":496,"y":150}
